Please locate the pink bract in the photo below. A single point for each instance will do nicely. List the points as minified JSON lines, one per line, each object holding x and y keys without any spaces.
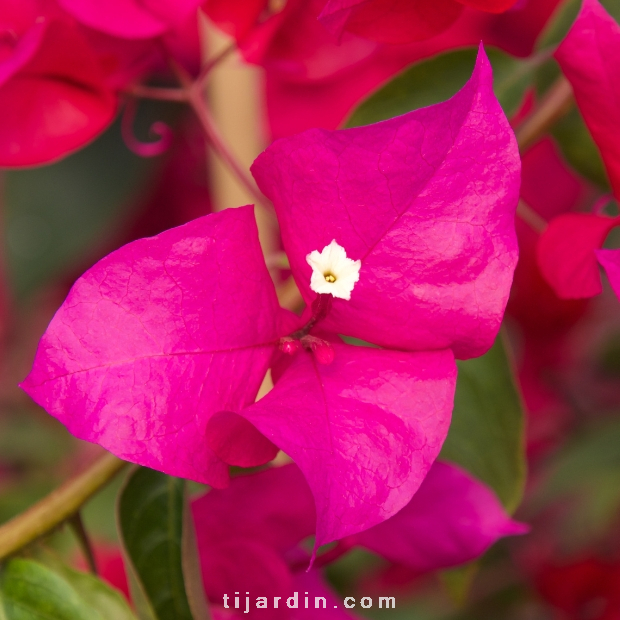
{"x":426,"y":201}
{"x":366,"y":431}
{"x":154,"y":339}
{"x":566,"y":253}
{"x":451,"y":520}
{"x":131,"y":19}
{"x":53,"y":98}
{"x":590,"y":59}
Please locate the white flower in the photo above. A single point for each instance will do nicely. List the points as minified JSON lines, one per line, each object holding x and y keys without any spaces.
{"x":332,"y":271}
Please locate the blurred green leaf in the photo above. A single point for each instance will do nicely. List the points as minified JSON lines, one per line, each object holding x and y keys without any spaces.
{"x":30,"y":590}
{"x":458,"y":581}
{"x":579,"y":148}
{"x":587,"y":470}
{"x":150,"y":518}
{"x":57,"y":214}
{"x":437,"y":79}
{"x":486,"y":434}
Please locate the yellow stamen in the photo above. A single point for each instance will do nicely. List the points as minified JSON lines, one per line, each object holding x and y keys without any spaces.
{"x":329,"y":278}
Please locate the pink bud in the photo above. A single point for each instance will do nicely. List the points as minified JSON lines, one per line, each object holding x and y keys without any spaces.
{"x":289,"y":346}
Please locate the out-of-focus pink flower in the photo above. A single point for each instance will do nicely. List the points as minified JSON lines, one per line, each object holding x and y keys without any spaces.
{"x":53,"y":98}
{"x":132,"y":19}
{"x":590,"y":59}
{"x":585,"y":588}
{"x":566,"y":253}
{"x":399,"y":21}
{"x":314,"y":78}
{"x":163,"y":344}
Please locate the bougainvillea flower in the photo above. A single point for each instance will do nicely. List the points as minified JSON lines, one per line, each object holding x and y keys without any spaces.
{"x":131,"y":19}
{"x":566,"y":253}
{"x":154,"y":339}
{"x":259,"y":521}
{"x":53,"y":98}
{"x":160,"y":348}
{"x":590,"y":59}
{"x":399,"y":21}
{"x":383,"y":193}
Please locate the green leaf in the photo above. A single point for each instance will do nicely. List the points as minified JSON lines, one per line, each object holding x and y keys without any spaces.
{"x":30,"y":590}
{"x":579,"y":148}
{"x":586,"y":470}
{"x":458,"y":582}
{"x":437,"y":79}
{"x":150,"y":518}
{"x":486,"y":435}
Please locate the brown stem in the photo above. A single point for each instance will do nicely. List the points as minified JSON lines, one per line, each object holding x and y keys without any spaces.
{"x":213,"y":62}
{"x":58,"y":506}
{"x":77,"y":525}
{"x":195,"y":99}
{"x":529,"y":216}
{"x":555,"y":104}
{"x":161,"y":94}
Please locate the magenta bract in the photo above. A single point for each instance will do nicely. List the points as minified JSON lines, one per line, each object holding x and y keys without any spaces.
{"x":590,"y":59}
{"x":426,"y":201}
{"x":259,"y":521}
{"x":154,"y":339}
{"x":365,"y":432}
{"x":451,"y":520}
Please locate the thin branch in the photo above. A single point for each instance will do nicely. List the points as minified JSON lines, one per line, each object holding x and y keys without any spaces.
{"x":58,"y":506}
{"x":161,"y":94}
{"x":213,"y":62}
{"x":529,"y":216}
{"x":77,"y":525}
{"x":195,"y":99}
{"x":555,"y":104}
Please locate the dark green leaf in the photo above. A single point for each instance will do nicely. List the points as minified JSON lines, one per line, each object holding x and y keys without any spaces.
{"x":439,"y":78}
{"x":30,"y":590}
{"x":150,"y":518}
{"x":486,"y":434}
